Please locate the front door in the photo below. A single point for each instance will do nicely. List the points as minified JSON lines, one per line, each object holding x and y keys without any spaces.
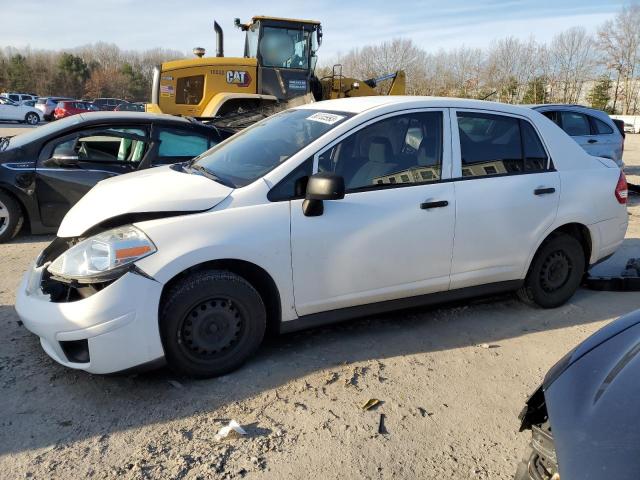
{"x":392,"y":234}
{"x":70,"y":166}
{"x":507,"y":196}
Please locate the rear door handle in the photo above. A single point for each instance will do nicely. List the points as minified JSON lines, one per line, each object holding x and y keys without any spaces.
{"x":593,"y":140}
{"x":544,"y":191}
{"x":437,"y":204}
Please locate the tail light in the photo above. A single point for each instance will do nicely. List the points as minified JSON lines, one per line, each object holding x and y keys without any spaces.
{"x":622,"y":189}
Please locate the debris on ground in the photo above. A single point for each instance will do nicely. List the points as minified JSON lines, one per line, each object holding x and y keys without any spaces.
{"x":370,"y":404}
{"x":232,"y":430}
{"x":382,"y":430}
{"x":489,"y":345}
{"x":175,"y":384}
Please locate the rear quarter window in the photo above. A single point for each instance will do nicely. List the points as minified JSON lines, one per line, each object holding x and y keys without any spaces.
{"x":601,"y":128}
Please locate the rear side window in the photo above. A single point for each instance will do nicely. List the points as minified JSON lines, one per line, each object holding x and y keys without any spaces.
{"x":601,"y":128}
{"x":176,"y":143}
{"x":496,"y":144}
{"x":15,"y":98}
{"x":575,"y":124}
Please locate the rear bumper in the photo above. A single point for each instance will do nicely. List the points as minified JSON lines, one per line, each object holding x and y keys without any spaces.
{"x":119,"y":323}
{"x":611,"y":234}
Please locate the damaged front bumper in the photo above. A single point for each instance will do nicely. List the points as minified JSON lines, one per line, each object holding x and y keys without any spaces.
{"x":114,"y":329}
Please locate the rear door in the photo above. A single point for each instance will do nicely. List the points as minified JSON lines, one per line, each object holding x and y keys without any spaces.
{"x":507,"y":194}
{"x":71,"y":165}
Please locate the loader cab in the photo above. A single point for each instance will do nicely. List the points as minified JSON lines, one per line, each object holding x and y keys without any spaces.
{"x":285,"y":50}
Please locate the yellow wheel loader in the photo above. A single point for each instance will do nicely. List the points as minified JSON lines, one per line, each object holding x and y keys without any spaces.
{"x":276,"y":72}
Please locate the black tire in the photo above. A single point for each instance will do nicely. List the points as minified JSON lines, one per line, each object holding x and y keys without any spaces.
{"x":32,"y":118}
{"x":11,"y":217}
{"x":555,"y":272}
{"x":211,"y":322}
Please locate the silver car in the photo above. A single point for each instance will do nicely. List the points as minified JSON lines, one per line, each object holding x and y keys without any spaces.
{"x":48,"y":104}
{"x":592,"y":129}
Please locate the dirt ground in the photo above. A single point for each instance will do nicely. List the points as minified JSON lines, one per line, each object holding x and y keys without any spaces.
{"x":452,"y":381}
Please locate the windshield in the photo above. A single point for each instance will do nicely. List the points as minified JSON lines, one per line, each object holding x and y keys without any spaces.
{"x":252,"y":153}
{"x":285,"y":48}
{"x":36,"y":133}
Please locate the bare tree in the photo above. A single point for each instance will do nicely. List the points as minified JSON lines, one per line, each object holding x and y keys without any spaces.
{"x":619,"y":41}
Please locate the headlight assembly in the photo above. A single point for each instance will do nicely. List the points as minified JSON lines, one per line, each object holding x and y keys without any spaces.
{"x":104,"y":256}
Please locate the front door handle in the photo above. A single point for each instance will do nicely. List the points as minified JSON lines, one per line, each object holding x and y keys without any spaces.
{"x":544,"y":191}
{"x":437,"y":204}
{"x":593,"y":140}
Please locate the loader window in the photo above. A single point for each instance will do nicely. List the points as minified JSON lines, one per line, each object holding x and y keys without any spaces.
{"x":189,"y":90}
{"x":285,"y":48}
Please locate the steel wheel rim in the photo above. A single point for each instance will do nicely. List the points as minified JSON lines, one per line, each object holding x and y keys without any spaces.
{"x":556,"y":271}
{"x":211,"y":329}
{"x":4,"y":218}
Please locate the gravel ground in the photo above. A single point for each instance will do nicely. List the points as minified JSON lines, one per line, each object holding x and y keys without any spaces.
{"x":451,"y":380}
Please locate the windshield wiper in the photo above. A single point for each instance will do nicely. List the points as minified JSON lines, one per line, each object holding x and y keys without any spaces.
{"x":210,"y":175}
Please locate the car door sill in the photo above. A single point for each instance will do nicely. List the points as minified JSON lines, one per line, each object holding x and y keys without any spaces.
{"x":342,"y":314}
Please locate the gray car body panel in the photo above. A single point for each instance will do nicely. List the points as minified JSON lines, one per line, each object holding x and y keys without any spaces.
{"x":608,"y":145}
{"x":594,"y":405}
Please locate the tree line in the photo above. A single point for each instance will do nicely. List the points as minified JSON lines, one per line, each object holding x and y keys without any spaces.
{"x":98,"y":70}
{"x":601,"y":69}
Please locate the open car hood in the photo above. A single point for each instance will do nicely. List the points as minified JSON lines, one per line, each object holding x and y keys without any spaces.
{"x":162,"y":189}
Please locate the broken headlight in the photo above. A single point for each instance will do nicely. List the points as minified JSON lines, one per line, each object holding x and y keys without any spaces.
{"x":104,"y":256}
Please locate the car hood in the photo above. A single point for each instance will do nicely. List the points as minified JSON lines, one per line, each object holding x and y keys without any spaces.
{"x":156,"y":190}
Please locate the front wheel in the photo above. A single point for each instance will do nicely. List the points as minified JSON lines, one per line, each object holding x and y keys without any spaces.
{"x":11,"y":217}
{"x":210,"y":323}
{"x":32,"y":118}
{"x":555,"y":273}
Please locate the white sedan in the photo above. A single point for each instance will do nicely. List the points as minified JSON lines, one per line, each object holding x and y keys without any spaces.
{"x":12,"y":111}
{"x":320,"y":213}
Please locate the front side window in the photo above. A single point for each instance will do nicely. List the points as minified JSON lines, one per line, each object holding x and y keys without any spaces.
{"x":177,"y":143}
{"x":497,"y":144}
{"x":404,"y":149}
{"x":253,"y":152}
{"x":109,"y":148}
{"x":285,"y":48}
{"x":189,"y":90}
{"x":575,"y":124}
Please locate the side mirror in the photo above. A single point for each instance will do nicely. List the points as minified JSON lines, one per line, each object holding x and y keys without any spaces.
{"x":63,"y":158}
{"x":320,"y":187}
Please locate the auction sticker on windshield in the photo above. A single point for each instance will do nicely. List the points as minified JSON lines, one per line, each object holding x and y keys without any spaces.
{"x":328,"y":118}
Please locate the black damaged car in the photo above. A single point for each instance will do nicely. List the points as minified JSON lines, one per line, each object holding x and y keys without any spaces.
{"x":45,"y":171}
{"x":585,"y":417}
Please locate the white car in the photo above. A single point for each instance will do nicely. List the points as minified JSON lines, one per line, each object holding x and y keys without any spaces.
{"x":9,"y":110}
{"x":320,"y":213}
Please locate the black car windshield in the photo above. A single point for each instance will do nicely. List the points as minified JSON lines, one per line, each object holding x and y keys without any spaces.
{"x":37,"y":133}
{"x":252,"y":153}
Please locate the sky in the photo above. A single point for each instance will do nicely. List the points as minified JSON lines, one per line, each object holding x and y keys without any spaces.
{"x":184,"y":24}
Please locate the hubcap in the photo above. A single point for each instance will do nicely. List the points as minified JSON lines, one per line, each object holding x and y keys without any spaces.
{"x":4,"y":218}
{"x":555,"y":271}
{"x":210,"y":329}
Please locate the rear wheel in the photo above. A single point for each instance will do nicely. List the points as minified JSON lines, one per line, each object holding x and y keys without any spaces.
{"x":555,"y":273}
{"x":11,"y":217}
{"x":32,"y":118}
{"x":210,"y":323}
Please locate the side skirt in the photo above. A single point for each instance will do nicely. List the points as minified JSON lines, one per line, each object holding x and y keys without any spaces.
{"x":342,"y":314}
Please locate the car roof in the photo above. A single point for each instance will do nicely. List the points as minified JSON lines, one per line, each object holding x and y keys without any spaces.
{"x":131,"y":116}
{"x":362,"y":104}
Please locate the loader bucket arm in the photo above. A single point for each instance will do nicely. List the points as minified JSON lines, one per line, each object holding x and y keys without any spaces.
{"x":399,"y":84}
